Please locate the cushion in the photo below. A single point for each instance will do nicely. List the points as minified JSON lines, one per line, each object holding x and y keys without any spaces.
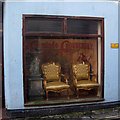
{"x":56,"y":85}
{"x":86,"y":83}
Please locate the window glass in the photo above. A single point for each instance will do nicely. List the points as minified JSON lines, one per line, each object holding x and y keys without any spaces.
{"x":83,"y":26}
{"x":62,"y":68}
{"x":66,"y":52}
{"x":39,"y":25}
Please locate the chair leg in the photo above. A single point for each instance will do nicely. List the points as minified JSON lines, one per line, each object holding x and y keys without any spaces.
{"x":46,"y":95}
{"x":98,"y":92}
{"x":68,"y":93}
{"x":77,"y":92}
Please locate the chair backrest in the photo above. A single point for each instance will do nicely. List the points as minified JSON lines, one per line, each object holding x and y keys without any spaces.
{"x":51,"y":71}
{"x":81,"y":71}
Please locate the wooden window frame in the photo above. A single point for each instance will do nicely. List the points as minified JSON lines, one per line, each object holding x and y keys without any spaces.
{"x":62,"y":34}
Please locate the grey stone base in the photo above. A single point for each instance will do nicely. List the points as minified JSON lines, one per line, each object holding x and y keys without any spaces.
{"x":62,"y":109}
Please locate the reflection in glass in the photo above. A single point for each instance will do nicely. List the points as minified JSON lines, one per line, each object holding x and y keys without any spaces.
{"x":59,"y":65}
{"x":62,"y":51}
{"x":83,"y":26}
{"x":44,"y":25}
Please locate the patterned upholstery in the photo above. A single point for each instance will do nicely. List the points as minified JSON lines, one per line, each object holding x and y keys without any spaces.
{"x":52,"y":78}
{"x":51,"y":71}
{"x":81,"y":71}
{"x":56,"y":85}
{"x":86,"y":83}
{"x":81,"y":78}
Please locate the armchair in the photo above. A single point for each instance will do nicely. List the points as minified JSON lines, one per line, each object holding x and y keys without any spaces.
{"x":81,"y":78}
{"x":52,"y":79}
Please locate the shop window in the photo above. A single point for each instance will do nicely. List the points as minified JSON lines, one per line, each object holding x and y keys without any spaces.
{"x":63,"y":59}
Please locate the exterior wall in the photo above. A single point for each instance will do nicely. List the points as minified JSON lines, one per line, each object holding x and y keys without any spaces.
{"x":0,"y":59}
{"x":13,"y":58}
{"x":119,"y":51}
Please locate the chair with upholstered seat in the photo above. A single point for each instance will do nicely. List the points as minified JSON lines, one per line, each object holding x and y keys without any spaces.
{"x":52,"y":79}
{"x":81,"y":78}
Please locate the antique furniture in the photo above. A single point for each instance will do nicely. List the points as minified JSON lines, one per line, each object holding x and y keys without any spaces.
{"x":81,"y":78}
{"x":52,"y":79}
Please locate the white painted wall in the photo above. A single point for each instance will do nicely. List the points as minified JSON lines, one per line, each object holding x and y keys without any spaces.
{"x":13,"y":58}
{"x":119,"y":51}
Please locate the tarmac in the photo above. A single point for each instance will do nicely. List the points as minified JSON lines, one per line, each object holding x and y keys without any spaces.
{"x":102,"y":114}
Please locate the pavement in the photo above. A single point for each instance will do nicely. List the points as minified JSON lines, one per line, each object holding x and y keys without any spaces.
{"x":102,"y":114}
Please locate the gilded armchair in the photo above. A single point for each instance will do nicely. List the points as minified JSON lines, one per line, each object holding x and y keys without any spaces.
{"x":81,"y":78}
{"x":52,"y":79}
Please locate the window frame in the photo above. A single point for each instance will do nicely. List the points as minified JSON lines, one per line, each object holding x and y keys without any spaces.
{"x":64,"y":34}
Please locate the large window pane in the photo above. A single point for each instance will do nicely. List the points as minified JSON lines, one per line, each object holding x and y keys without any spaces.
{"x":66,"y":52}
{"x":64,"y":63}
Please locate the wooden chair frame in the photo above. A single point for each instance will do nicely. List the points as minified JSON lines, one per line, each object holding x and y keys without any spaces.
{"x":60,"y":75}
{"x":75,"y":81}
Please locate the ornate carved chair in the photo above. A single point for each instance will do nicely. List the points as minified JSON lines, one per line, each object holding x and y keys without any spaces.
{"x":81,"y":78}
{"x":52,"y":79}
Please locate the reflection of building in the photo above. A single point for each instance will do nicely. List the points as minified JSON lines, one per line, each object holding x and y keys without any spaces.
{"x":59,"y":35}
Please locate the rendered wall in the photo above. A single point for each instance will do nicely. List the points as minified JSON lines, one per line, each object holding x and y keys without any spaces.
{"x":119,"y":52}
{"x":13,"y":56}
{"x":1,"y":59}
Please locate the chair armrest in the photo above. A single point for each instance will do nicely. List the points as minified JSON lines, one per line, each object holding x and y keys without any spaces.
{"x":74,"y":80}
{"x":65,"y":77}
{"x":62,"y":75}
{"x":44,"y":82}
{"x":94,"y":77}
